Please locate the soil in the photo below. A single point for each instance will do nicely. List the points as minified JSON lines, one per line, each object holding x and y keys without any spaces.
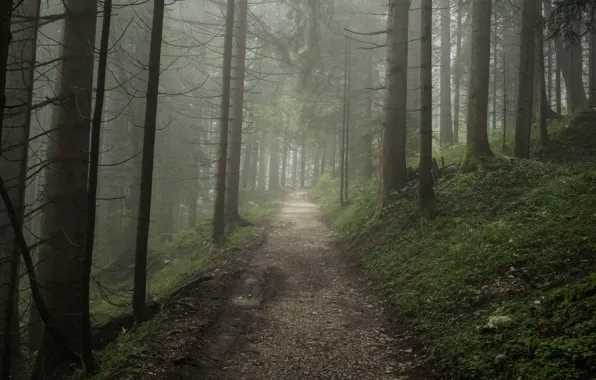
{"x":294,"y":308}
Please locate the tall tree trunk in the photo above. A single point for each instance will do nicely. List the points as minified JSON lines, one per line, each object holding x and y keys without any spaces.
{"x":302,"y":158}
{"x":426,"y":190}
{"x":14,"y":145}
{"x":458,"y":70}
{"x":505,"y":108}
{"x":348,"y":122}
{"x":220,"y":184}
{"x":342,"y":149}
{"x":592,"y":70}
{"x":86,"y":348}
{"x":495,"y":48}
{"x":393,"y":162}
{"x":247,"y":164}
{"x":284,"y":159}
{"x":140,"y":274}
{"x":544,"y":109}
{"x":274,"y":165}
{"x":549,"y":74}
{"x":262,"y":182}
{"x":477,"y":137}
{"x":237,"y":100}
{"x":523,"y":122}
{"x":64,"y":217}
{"x":367,"y":135}
{"x":446,"y":131}
{"x":558,"y":88}
{"x":294,"y":167}
{"x":5,"y":37}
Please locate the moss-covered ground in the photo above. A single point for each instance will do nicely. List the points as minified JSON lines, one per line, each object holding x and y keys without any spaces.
{"x":500,"y":283}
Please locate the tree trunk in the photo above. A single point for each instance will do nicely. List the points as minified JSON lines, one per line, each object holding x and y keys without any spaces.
{"x":549,"y":74}
{"x":592,"y":70}
{"x":284,"y":160}
{"x":140,"y":274}
{"x":64,"y":217}
{"x":247,"y":164}
{"x":5,"y":37}
{"x":558,"y":88}
{"x":495,"y":48}
{"x":294,"y":167}
{"x":393,"y":162}
{"x":14,"y":145}
{"x":544,"y":109}
{"x":446,"y":131}
{"x":505,"y":108}
{"x":274,"y":165}
{"x":262,"y":183}
{"x":302,"y":160}
{"x":348,"y":122}
{"x":86,"y":348}
{"x":458,"y":70}
{"x":218,"y":233}
{"x":477,"y":137}
{"x":523,"y":123}
{"x":237,"y":100}
{"x":426,"y":190}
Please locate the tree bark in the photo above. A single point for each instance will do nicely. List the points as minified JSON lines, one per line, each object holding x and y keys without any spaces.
{"x":237,"y":104}
{"x":86,"y":349}
{"x":393,"y":161}
{"x":218,"y":233}
{"x":5,"y":37}
{"x":592,"y":99}
{"x":262,"y":183}
{"x":477,"y":136}
{"x":274,"y":165}
{"x":426,"y":190}
{"x":64,"y":218}
{"x":140,"y":274}
{"x":294,"y":167}
{"x":17,"y":91}
{"x":446,"y":131}
{"x":523,"y":123}
{"x":458,"y":70}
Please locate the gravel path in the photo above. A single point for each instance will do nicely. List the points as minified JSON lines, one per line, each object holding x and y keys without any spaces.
{"x":299,"y":312}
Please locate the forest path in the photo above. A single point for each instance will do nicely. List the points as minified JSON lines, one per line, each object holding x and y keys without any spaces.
{"x":300,"y":312}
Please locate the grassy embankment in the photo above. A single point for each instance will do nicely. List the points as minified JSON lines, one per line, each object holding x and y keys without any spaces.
{"x":501,"y":282}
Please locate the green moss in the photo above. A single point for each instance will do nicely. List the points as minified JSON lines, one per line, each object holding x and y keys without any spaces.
{"x":517,"y":240}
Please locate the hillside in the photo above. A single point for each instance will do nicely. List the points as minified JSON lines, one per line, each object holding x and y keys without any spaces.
{"x":499,"y":282}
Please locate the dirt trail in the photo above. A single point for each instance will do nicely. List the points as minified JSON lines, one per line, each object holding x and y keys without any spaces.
{"x":300,"y":312}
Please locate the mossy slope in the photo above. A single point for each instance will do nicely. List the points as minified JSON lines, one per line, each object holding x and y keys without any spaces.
{"x":516,"y":244}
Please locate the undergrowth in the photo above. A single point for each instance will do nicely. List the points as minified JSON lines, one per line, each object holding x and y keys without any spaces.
{"x":499,"y":284}
{"x":187,"y":252}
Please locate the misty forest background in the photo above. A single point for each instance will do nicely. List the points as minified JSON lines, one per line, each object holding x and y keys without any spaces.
{"x":142,"y":139}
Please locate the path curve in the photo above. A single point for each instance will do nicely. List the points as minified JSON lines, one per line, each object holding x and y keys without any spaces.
{"x":299,"y":312}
